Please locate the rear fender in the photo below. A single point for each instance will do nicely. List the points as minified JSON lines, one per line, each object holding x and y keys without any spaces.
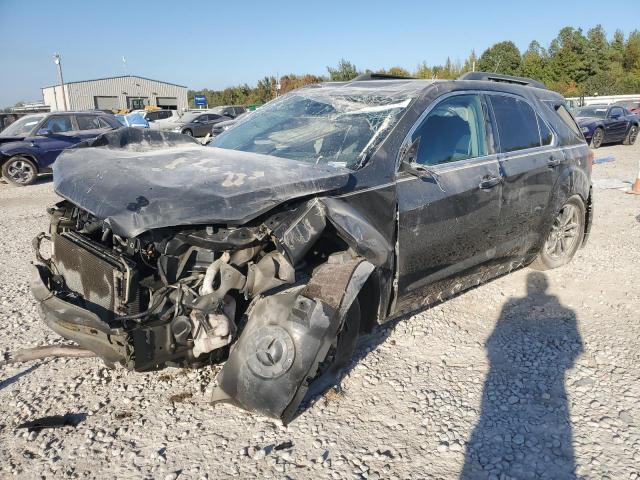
{"x":287,"y":335}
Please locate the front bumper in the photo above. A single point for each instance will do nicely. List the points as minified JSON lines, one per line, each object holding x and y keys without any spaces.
{"x":76,"y":323}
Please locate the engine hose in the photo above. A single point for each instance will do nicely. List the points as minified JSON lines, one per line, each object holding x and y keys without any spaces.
{"x":150,"y":310}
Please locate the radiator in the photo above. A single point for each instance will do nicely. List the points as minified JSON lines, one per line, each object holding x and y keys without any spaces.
{"x":103,"y":280}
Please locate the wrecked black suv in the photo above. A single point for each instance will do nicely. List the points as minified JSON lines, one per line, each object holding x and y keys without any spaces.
{"x":325,"y":212}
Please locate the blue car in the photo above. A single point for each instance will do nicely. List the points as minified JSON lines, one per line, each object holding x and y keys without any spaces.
{"x":30,"y":145}
{"x":607,"y":124}
{"x":133,"y":119}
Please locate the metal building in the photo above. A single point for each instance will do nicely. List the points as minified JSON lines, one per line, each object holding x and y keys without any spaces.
{"x":115,"y":93}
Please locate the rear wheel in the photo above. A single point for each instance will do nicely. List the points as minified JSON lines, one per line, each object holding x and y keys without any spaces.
{"x":565,"y":237}
{"x":19,"y":171}
{"x":631,"y":137}
{"x":596,"y":139}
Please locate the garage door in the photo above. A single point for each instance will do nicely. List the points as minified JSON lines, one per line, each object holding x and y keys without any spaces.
{"x":167,"y":102}
{"x":106,"y":103}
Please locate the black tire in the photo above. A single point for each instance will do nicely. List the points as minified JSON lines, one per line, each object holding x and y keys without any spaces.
{"x":597,"y":138}
{"x":632,"y":135}
{"x":188,"y":132}
{"x":19,"y":170}
{"x":340,"y":353}
{"x":564,"y":238}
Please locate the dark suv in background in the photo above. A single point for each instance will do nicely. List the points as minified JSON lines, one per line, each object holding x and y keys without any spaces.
{"x":31,"y":144}
{"x":325,"y":212}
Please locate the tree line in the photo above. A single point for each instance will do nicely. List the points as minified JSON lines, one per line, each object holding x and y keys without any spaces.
{"x":574,"y":64}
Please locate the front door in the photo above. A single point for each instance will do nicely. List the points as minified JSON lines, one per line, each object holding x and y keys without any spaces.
{"x":60,"y":134}
{"x":615,"y":125}
{"x":448,"y":221}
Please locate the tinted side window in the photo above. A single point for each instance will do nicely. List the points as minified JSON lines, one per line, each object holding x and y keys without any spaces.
{"x":545,"y":132}
{"x":106,"y":123}
{"x":214,"y":116}
{"x":86,"y":122}
{"x":617,"y":111}
{"x":516,"y":122}
{"x":164,"y":113}
{"x":566,"y":117}
{"x":59,"y":124}
{"x":453,"y":130}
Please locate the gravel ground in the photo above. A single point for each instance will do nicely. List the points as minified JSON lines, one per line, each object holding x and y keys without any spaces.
{"x":530,"y":376}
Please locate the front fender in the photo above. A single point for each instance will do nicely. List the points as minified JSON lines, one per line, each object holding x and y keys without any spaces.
{"x":287,"y":336}
{"x":9,"y":150}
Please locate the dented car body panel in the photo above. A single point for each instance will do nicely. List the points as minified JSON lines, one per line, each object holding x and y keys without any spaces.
{"x":271,"y":249}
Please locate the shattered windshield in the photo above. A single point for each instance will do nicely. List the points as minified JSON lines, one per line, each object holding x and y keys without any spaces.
{"x":335,"y":125}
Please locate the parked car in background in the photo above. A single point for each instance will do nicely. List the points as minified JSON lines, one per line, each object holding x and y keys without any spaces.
{"x":197,"y":123}
{"x":602,"y":124}
{"x":632,"y":105}
{"x":329,"y":210}
{"x":31,"y":144}
{"x":133,"y":119}
{"x":156,"y":115}
{"x":231,"y":111}
{"x":220,"y":127}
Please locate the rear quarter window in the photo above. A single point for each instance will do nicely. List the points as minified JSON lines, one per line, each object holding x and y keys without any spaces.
{"x":517,"y":123}
{"x":567,"y":119}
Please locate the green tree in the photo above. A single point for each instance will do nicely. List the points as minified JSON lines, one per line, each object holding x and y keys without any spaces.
{"x":534,"y":62}
{"x":503,"y":57}
{"x":345,"y":71}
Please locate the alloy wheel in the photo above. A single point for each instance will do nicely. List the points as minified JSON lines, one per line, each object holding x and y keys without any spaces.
{"x":596,"y":140}
{"x":564,"y":233}
{"x":633,"y":135}
{"x":20,"y":172}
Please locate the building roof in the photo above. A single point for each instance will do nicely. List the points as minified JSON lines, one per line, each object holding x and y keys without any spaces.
{"x":118,"y":76}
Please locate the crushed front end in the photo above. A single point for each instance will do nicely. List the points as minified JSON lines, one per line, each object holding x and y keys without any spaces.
{"x":164,"y":298}
{"x":183,"y":296}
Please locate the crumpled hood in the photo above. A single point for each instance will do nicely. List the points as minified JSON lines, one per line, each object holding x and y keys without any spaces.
{"x":138,"y":180}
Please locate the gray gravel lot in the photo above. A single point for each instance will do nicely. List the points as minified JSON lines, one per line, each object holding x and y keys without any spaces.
{"x":530,"y":376}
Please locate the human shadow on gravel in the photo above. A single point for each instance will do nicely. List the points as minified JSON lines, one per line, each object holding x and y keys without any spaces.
{"x":524,"y":430}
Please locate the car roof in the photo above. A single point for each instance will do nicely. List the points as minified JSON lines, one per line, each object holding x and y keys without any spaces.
{"x":409,"y":87}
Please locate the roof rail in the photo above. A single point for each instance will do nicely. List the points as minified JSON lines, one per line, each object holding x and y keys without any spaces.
{"x":380,"y":76}
{"x":498,"y":77}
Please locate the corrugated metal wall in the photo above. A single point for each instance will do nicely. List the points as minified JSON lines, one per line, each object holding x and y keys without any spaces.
{"x":81,"y":95}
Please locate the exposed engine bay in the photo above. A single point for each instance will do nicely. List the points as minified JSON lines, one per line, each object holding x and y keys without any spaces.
{"x":277,"y":290}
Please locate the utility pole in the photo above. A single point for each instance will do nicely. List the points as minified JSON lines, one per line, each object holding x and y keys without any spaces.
{"x":58,"y":62}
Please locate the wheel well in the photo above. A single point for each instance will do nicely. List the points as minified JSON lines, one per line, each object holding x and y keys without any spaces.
{"x":369,"y":300}
{"x":588,"y":216}
{"x":25,"y":155}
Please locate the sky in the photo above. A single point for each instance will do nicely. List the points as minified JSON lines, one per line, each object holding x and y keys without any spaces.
{"x":216,"y":44}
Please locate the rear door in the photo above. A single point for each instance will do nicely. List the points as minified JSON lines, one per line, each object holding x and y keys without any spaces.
{"x":447,"y":222}
{"x":90,"y":126}
{"x":530,"y":166}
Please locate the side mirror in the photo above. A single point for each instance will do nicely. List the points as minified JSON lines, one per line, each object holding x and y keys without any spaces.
{"x":43,"y":132}
{"x":408,"y":161}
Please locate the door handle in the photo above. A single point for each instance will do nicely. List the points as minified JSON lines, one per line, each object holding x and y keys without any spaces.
{"x":489,"y":182}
